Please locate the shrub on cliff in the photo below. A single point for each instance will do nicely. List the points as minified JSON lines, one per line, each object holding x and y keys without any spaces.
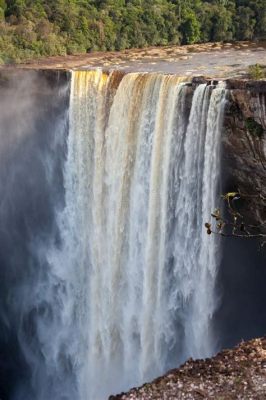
{"x":257,"y":72}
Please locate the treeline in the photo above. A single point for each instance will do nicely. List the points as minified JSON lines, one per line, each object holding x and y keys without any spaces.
{"x":35,"y":28}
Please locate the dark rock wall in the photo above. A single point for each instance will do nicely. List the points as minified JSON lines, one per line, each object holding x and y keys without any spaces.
{"x":242,"y":276}
{"x":244,"y":148}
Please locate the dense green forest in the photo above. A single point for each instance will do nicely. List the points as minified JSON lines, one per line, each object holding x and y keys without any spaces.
{"x":35,"y":28}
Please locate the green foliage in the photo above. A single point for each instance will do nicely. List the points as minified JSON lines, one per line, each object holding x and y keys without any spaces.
{"x":36,"y":28}
{"x":254,"y":127}
{"x":245,"y":23}
{"x":190,"y":28}
{"x":256,"y":72}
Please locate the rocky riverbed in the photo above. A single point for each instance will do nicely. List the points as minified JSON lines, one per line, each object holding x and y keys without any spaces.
{"x":239,"y":373}
{"x":219,"y":60}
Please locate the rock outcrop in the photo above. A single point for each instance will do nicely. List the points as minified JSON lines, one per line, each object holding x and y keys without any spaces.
{"x":239,"y":373}
{"x":244,"y":146}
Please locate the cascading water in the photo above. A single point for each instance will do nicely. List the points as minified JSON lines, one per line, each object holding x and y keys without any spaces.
{"x":135,"y":272}
{"x":107,"y":273}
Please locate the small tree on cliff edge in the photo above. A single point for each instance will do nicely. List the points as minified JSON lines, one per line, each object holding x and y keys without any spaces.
{"x":235,"y":224}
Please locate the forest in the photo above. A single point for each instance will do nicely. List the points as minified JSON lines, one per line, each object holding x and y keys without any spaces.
{"x":37,"y":28}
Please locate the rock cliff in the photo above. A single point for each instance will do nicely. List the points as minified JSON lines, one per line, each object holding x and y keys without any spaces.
{"x":244,"y":145}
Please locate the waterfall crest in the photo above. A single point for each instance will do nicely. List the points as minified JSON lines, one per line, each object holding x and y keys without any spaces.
{"x":136,"y":266}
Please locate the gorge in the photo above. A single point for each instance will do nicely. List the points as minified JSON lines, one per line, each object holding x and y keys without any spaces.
{"x":108,"y":278}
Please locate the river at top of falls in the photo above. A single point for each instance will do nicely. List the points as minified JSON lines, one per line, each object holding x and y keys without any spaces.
{"x":135,"y":271}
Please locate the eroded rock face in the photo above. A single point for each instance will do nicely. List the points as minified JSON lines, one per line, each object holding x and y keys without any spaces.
{"x":242,"y":274}
{"x":244,"y":146}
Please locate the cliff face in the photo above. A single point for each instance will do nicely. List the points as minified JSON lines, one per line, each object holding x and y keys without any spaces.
{"x":242,"y":274}
{"x":244,"y":146}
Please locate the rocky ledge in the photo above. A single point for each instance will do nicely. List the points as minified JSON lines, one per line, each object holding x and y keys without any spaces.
{"x":239,"y":373}
{"x":221,"y":60}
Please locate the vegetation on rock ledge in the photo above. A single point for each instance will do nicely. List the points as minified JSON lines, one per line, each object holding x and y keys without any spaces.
{"x":257,"y":71}
{"x":35,"y":28}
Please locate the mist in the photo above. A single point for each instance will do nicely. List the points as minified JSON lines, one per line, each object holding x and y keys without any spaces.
{"x":33,"y":126}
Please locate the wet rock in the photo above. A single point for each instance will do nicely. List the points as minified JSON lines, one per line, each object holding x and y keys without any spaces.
{"x":244,"y":149}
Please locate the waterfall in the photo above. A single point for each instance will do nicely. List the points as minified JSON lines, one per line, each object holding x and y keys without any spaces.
{"x":135,"y":270}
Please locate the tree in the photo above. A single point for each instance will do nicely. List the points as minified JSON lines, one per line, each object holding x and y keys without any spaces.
{"x":2,"y":9}
{"x":190,"y":28}
{"x":245,"y":23}
{"x":222,"y":26}
{"x":235,"y":225}
{"x":15,"y":7}
{"x":231,"y":221}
